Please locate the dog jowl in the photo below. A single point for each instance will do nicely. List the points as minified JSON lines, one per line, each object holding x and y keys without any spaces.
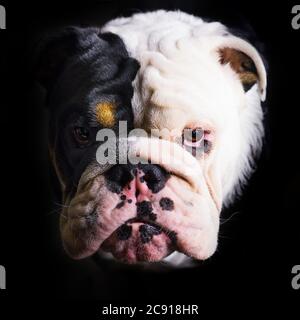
{"x":165,"y":71}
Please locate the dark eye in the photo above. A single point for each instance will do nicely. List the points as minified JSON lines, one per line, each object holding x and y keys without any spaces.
{"x":196,"y":140}
{"x":81,"y":135}
{"x":192,"y":136}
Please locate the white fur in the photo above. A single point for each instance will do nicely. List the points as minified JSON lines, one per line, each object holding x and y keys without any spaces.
{"x":163,"y":41}
{"x":180,"y":71}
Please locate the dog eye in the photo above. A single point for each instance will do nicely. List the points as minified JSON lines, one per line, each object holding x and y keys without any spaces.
{"x":81,"y":135}
{"x":195,"y":140}
{"x":192,"y":137}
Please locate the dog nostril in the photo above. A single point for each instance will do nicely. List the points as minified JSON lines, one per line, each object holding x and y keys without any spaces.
{"x":118,"y":177}
{"x":149,"y":177}
{"x":155,"y":177}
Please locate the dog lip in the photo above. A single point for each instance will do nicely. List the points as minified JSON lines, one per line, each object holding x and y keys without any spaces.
{"x":168,"y":232}
{"x":171,"y":234}
{"x":140,"y":240}
{"x":144,"y":220}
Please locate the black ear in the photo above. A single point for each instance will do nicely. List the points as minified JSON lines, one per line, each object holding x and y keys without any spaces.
{"x":56,"y":49}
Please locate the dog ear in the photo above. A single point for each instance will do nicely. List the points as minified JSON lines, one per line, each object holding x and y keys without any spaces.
{"x":54,"y":50}
{"x":246,"y":62}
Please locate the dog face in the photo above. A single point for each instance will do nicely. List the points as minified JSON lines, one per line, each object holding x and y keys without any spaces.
{"x":194,"y":77}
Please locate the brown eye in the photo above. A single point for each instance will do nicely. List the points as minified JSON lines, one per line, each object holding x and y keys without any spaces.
{"x":196,"y":140}
{"x":81,"y":135}
{"x":193,"y":135}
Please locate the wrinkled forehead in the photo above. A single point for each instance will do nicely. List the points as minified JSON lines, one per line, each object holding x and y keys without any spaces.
{"x":179,"y":66}
{"x":191,"y":82}
{"x":158,"y":31}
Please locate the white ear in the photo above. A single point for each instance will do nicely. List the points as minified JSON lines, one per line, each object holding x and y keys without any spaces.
{"x":237,"y":52}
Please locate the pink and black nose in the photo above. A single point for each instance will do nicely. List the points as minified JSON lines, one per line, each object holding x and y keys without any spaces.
{"x":141,"y":178}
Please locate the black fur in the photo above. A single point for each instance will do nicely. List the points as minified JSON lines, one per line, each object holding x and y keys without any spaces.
{"x":80,"y":67}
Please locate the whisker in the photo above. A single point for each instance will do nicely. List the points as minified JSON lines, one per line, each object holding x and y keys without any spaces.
{"x":222,"y":221}
{"x":62,"y":205}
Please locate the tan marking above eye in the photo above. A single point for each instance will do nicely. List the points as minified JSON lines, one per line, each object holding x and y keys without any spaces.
{"x":106,"y":114}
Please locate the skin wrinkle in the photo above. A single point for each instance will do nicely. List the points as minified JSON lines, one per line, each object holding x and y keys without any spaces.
{"x":180,"y":81}
{"x":212,"y":192}
{"x":216,"y":30}
{"x":183,"y":211}
{"x":118,"y":221}
{"x":184,"y":160}
{"x":180,"y":223}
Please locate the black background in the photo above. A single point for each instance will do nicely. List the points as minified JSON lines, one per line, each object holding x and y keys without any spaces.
{"x":259,"y":245}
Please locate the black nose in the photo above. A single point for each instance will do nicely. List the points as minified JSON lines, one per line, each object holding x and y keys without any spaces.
{"x":121,"y":174}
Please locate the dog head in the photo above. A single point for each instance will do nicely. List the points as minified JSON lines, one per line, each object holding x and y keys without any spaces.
{"x":197,"y":91}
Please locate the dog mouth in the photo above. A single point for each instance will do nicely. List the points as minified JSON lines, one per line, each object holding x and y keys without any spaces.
{"x":139,"y":240}
{"x":137,"y":223}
